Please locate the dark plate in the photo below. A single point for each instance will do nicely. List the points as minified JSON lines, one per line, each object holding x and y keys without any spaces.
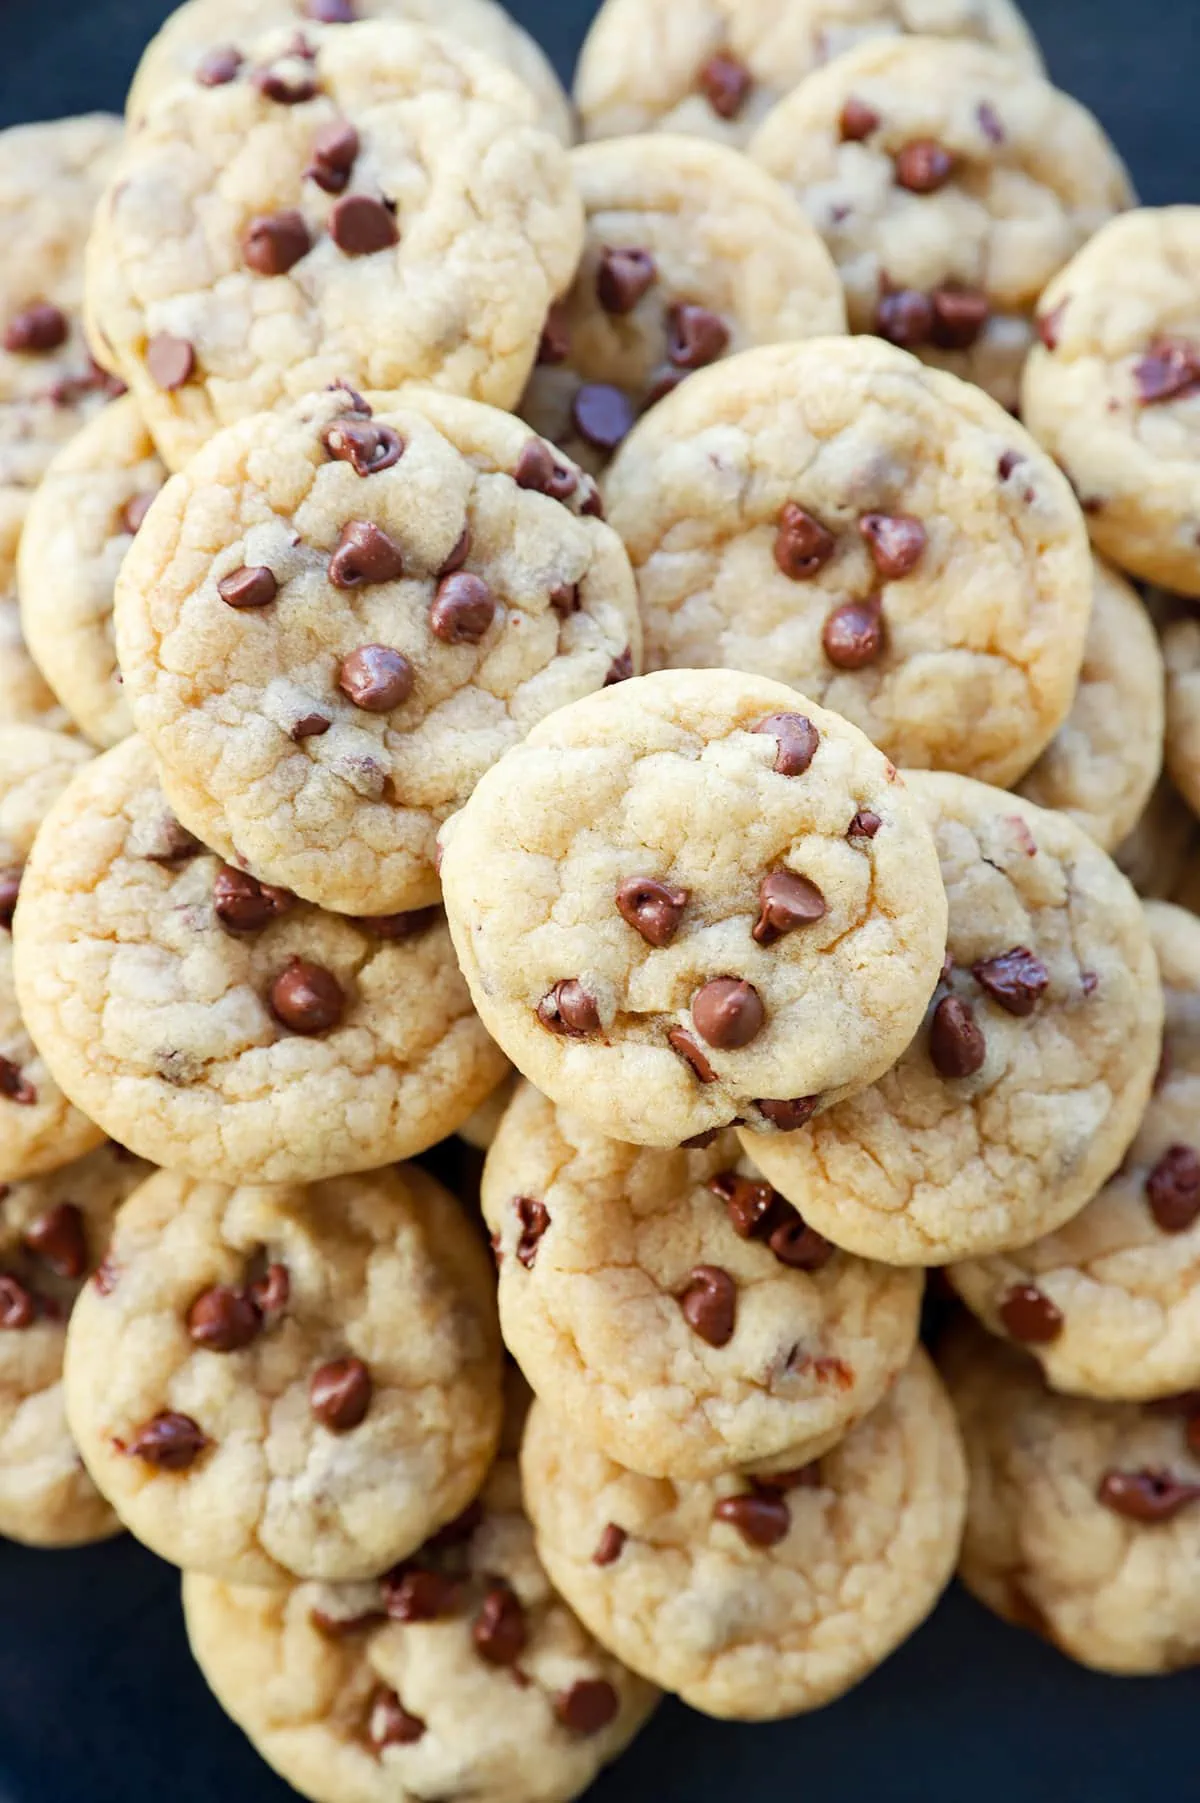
{"x":99,"y":1700}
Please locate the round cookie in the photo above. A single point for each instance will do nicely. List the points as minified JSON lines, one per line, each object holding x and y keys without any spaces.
{"x":1021,"y":1094}
{"x":755,"y":1601}
{"x":1084,"y":1517}
{"x":374,"y":202}
{"x":676,"y":1305}
{"x":220,"y":1027}
{"x":878,"y":534}
{"x":950,"y":183}
{"x":1156,"y":854}
{"x":717,"y":67}
{"x":53,"y":1231}
{"x":1102,"y":764}
{"x":693,"y":899}
{"x":690,"y":253}
{"x":288,"y":1382}
{"x":1113,"y":390}
{"x":1181,"y":652}
{"x":202,"y":29}
{"x":81,"y":521}
{"x":383,"y":605}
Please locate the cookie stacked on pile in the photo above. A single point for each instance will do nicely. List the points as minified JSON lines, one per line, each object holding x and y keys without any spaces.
{"x":501,"y":659}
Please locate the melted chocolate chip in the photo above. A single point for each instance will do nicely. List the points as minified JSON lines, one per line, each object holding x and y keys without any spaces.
{"x":270,"y":1292}
{"x":339,"y":1394}
{"x":853,"y":634}
{"x":1049,"y":326}
{"x":896,"y":543}
{"x":956,"y":1045}
{"x":1028,"y":1315}
{"x":788,"y":1117}
{"x":243,"y":904}
{"x":1150,"y":1497}
{"x":695,"y":336}
{"x":376,"y":678}
{"x":1173,"y":1189}
{"x":1016,"y":980}
{"x":569,"y":1010}
{"x":588,"y":1706}
{"x":725,"y":83}
{"x":797,"y":739}
{"x":133,"y":514}
{"x":728,"y":1013}
{"x":309,"y":726}
{"x":248,"y":587}
{"x":307,"y":998}
{"x":959,"y":316}
{"x":923,"y":166}
{"x":499,"y":1630}
{"x":622,"y":278}
{"x":709,"y":1304}
{"x":389,"y":1723}
{"x":751,"y":1205}
{"x":687,"y":1049}
{"x":364,"y":444}
{"x":796,"y":1244}
{"x":283,"y":87}
{"x":602,"y":415}
{"x":223,"y":1319}
{"x":40,"y":328}
{"x":539,"y":469}
{"x":534,"y":1220}
{"x":17,"y":1307}
{"x":904,"y":316}
{"x":364,"y":554}
{"x":857,"y":121}
{"x":786,"y":901}
{"x":621,"y":668}
{"x":412,"y":1594}
{"x":463,"y":609}
{"x":651,"y":908}
{"x":15,"y":1085}
{"x":219,"y":66}
{"x":361,"y":225}
{"x":762,"y":1519}
{"x":401,"y":926}
{"x":802,"y":545}
{"x":171,"y":361}
{"x":610,"y":1545}
{"x":1167,"y":372}
{"x":275,"y":242}
{"x":864,"y":825}
{"x":334,"y":153}
{"x":58,"y":1238}
{"x":169,"y":1441}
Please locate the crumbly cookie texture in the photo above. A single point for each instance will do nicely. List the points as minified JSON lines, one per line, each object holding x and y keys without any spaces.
{"x":950,"y":183}
{"x":1022,"y":1092}
{"x":219,"y":1026}
{"x":39,"y":1129}
{"x":694,"y":898}
{"x":717,"y":67}
{"x":53,"y":1233}
{"x":1101,"y":766}
{"x":758,"y":1601}
{"x":203,"y":29}
{"x":1156,"y":854}
{"x":1110,"y":1303}
{"x":878,"y":534}
{"x":337,"y":619}
{"x":1113,"y":390}
{"x":373,"y":202}
{"x":691,"y":253}
{"x":81,"y":522}
{"x":288,"y":1382}
{"x":676,"y":1305}
{"x":1084,"y":1517}
{"x":1181,"y":651}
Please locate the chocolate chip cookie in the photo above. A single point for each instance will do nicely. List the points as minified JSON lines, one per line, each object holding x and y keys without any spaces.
{"x":386,"y":601}
{"x":218,"y":1025}
{"x":1025,"y":1086}
{"x":375,"y":202}
{"x":1181,"y":651}
{"x":693,"y":899}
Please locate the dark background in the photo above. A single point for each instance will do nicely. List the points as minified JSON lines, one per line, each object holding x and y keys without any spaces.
{"x":99,"y":1702}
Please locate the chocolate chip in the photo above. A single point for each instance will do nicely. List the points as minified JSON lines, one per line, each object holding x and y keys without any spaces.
{"x":223,"y":1319}
{"x":796,"y":1244}
{"x":695,"y":337}
{"x":1016,"y":980}
{"x":309,"y":726}
{"x":750,"y":1204}
{"x":331,"y":12}
{"x":334,"y":153}
{"x":865,"y":825}
{"x":389,"y":1723}
{"x":728,"y":1013}
{"x":339,"y":1394}
{"x":569,"y":1010}
{"x":853,"y":634}
{"x":1173,"y":1189}
{"x":270,"y":1292}
{"x":253,"y":585}
{"x":360,"y":225}
{"x":683,"y":1043}
{"x":376,"y":678}
{"x":275,"y":242}
{"x":218,"y":66}
{"x":68,"y":391}
{"x":17,"y":1307}
{"x":1146,"y":1496}
{"x":761,"y":1518}
{"x":905,"y":317}
{"x":651,"y":908}
{"x":725,"y":83}
{"x":307,"y":998}
{"x":857,"y":121}
{"x":134,"y":512}
{"x":415,"y":1595}
{"x":401,"y":926}
{"x":364,"y":554}
{"x":40,"y":328}
{"x":1028,"y":1315}
{"x":171,"y":361}
{"x":245,"y":905}
{"x":621,"y":668}
{"x":802,"y":545}
{"x":58,"y":1237}
{"x":499,"y":1630}
{"x":923,"y":166}
{"x":709,"y":1304}
{"x":539,"y":469}
{"x":896,"y":542}
{"x":956,"y":1045}
{"x":622,"y":278}
{"x":104,"y":1277}
{"x":169,"y":1441}
{"x":602,"y":415}
{"x":588,"y":1707}
{"x":15,"y":1086}
{"x":463,"y":609}
{"x":534,"y":1219}
{"x":554,"y":346}
{"x":1049,"y":325}
{"x":283,"y":88}
{"x":1166,"y":372}
{"x":989,"y":122}
{"x":786,"y":901}
{"x":366,"y":446}
{"x":459,"y":552}
{"x":699,"y":1142}
{"x":797,"y":739}
{"x":959,"y":316}
{"x":10,"y":890}
{"x":1008,"y":462}
{"x":610,"y":1545}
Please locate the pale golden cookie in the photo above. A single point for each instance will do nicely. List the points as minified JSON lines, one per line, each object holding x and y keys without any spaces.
{"x":1181,"y":651}
{"x":1156,"y":854}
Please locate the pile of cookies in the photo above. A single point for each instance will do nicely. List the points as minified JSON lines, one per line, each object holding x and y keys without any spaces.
{"x":626,"y":658}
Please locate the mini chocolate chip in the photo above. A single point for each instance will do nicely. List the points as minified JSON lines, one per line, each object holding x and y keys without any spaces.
{"x":989,"y":122}
{"x":923,"y":166}
{"x":283,"y":88}
{"x":896,"y":542}
{"x":15,"y":1086}
{"x":956,"y":1045}
{"x":416,"y":1595}
{"x":865,"y":825}
{"x":1008,"y":462}
{"x":389,"y":1723}
{"x":709,"y":1304}
{"x":797,"y":739}
{"x":959,"y":316}
{"x":307,"y":998}
{"x":1049,"y":325}
{"x":253,"y":585}
{"x":602,"y":415}
{"x":857,"y":121}
{"x":1028,"y":1315}
{"x":554,"y":346}
{"x":364,"y":444}
{"x":364,"y":554}
{"x":17,"y":1307}
{"x":749,"y":1203}
{"x":651,"y":908}
{"x":360,"y":225}
{"x":802,"y":545}
{"x":1146,"y":1496}
{"x":58,"y":1237}
{"x":1173,"y":1189}
{"x":588,"y":1707}
{"x":463,"y":609}
{"x":621,"y":668}
{"x":376,"y":678}
{"x":499,"y":1630}
{"x":564,"y":599}
{"x":10,"y":890}
{"x":40,"y":328}
{"x":1166,"y":372}
{"x":401,"y":926}
{"x":459,"y":552}
{"x":623,"y":277}
{"x":725,"y":83}
{"x":728,"y":1013}
{"x":339,"y":1394}
{"x":591,"y":503}
{"x":853,"y":634}
{"x":786,"y":901}
{"x":331,"y":12}
{"x":538,"y":468}
{"x":695,"y":337}
{"x":134,"y":512}
{"x":334,"y":153}
{"x":223,"y":1319}
{"x":796,"y":1244}
{"x":171,"y":361}
{"x":610,"y":1545}
{"x":168,"y":1440}
{"x":534,"y":1220}
{"x":690,"y":1052}
{"x":1016,"y":980}
{"x":275,"y":242}
{"x":761,"y":1518}
{"x":905,"y":317}
{"x":309,"y":726}
{"x":270,"y":1292}
{"x":569,"y":1010}
{"x":218,"y":66}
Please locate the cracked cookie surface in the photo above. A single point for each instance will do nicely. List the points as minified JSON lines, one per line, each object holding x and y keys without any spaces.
{"x":878,"y":534}
{"x":694,"y":898}
{"x":271,"y":1383}
{"x":219,"y":1026}
{"x":1024,"y":1088}
{"x":336,"y":620}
